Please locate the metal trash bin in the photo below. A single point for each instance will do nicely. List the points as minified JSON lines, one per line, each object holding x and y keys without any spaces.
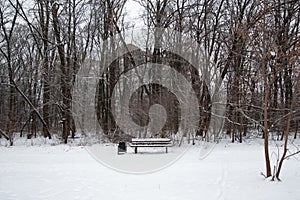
{"x":122,"y":148}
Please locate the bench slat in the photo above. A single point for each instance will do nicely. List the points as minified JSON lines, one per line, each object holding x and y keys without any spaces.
{"x":150,"y":140}
{"x":150,"y":145}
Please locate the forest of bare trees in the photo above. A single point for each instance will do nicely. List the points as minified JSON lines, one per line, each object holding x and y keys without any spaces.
{"x":255,"y":45}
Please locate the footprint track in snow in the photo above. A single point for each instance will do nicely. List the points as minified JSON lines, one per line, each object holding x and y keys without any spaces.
{"x":221,"y":182}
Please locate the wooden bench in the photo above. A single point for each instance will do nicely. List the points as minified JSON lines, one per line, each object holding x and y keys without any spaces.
{"x":150,"y":142}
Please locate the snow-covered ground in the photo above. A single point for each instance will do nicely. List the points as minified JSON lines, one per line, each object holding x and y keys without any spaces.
{"x":230,"y":171}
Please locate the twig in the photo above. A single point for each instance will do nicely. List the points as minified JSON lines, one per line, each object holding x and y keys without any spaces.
{"x":295,"y":153}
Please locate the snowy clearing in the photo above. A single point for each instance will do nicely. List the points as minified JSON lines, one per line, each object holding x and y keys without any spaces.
{"x":231,"y":171}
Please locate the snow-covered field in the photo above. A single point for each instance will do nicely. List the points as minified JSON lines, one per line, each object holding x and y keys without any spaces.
{"x":230,"y":171}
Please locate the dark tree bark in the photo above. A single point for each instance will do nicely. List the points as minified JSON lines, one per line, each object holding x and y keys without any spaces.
{"x":44,"y":15}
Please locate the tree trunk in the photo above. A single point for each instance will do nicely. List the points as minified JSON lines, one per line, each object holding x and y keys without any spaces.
{"x":286,"y":138}
{"x":66,"y":74}
{"x":296,"y":131}
{"x":266,"y":127}
{"x":44,"y":15}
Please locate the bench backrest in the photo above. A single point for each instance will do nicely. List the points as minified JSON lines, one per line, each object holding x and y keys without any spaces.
{"x":150,"y":141}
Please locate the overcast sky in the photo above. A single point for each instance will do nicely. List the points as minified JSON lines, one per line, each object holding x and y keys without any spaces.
{"x":134,"y":11}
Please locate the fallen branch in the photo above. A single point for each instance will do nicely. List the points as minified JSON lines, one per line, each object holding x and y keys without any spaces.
{"x":32,"y":107}
{"x":4,"y":134}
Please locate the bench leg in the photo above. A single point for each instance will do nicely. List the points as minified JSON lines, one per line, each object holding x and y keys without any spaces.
{"x":135,"y":149}
{"x":166,"y":149}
